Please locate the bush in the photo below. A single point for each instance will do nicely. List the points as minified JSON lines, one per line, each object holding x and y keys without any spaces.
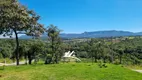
{"x":48,"y":59}
{"x":116,"y":62}
{"x":101,"y":64}
{"x":7,"y":60}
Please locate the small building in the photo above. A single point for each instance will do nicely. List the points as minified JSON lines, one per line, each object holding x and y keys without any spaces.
{"x":70,"y":57}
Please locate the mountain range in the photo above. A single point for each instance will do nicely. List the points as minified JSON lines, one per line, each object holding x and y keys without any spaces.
{"x":94,"y":34}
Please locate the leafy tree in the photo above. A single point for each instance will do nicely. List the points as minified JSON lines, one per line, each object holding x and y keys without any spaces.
{"x":36,"y":48}
{"x":15,"y":18}
{"x":53,"y":36}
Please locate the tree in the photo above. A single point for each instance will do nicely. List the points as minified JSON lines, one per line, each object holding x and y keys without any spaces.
{"x":15,"y":18}
{"x":93,"y":49}
{"x":53,"y":36}
{"x":120,"y":51}
{"x":35,"y":49}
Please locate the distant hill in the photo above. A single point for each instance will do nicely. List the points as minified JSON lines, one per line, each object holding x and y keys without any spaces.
{"x":94,"y":34}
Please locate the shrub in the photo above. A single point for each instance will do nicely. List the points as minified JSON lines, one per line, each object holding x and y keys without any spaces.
{"x":101,"y":64}
{"x":116,"y":62}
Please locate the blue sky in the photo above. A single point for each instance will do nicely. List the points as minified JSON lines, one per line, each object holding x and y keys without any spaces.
{"x":77,"y":16}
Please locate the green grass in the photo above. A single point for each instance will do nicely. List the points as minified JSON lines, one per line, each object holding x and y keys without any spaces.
{"x":68,"y":71}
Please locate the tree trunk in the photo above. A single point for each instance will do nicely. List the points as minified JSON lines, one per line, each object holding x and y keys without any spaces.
{"x":46,"y":62}
{"x":30,"y":61}
{"x":29,"y":58}
{"x":26,"y":59}
{"x":56,"y":59}
{"x":120,"y":58}
{"x":17,"y":47}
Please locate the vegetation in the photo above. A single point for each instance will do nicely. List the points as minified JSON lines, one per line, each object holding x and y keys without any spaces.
{"x":126,"y":51}
{"x":15,"y":18}
{"x":53,"y":36}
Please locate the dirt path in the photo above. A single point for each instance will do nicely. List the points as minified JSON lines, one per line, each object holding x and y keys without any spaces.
{"x":11,"y":64}
{"x":140,"y":71}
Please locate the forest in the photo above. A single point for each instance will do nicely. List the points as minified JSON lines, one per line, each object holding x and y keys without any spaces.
{"x":122,"y":50}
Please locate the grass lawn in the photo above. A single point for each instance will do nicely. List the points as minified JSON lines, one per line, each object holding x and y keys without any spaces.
{"x":68,"y":71}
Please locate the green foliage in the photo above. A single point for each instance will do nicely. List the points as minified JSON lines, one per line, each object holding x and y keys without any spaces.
{"x":16,"y":18}
{"x":101,"y":64}
{"x":115,"y":50}
{"x":53,"y":36}
{"x":116,"y":62}
{"x":2,"y":60}
{"x":125,"y":51}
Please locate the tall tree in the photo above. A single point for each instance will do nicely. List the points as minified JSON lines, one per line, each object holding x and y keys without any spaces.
{"x":53,"y":36}
{"x":15,"y":18}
